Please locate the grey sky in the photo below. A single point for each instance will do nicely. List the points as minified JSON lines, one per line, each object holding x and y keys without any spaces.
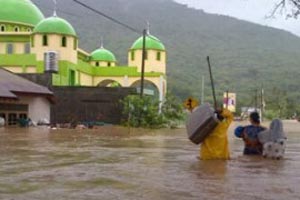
{"x":250,"y":10}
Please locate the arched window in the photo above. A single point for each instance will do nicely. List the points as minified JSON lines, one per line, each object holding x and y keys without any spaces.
{"x":29,"y":30}
{"x":64,"y":41}
{"x":27,"y":48}
{"x":132,"y":55}
{"x":158,"y":56}
{"x":97,"y":64}
{"x":10,"y":48}
{"x":16,"y":29}
{"x":32,"y":41}
{"x":146,"y":54}
{"x":75,"y":43}
{"x":45,"y":40}
{"x":108,"y":64}
{"x":2,"y":28}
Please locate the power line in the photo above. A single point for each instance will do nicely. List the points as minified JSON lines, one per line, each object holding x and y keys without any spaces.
{"x":170,"y":44}
{"x":108,"y":17}
{"x":114,"y":20}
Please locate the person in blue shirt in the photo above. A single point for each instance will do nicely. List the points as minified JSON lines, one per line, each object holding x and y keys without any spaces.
{"x":249,"y":134}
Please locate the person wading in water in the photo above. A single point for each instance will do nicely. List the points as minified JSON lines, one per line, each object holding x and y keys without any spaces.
{"x":249,"y":134}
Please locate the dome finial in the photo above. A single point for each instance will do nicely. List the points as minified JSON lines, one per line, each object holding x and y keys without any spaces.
{"x":55,"y":7}
{"x":148,"y":27}
{"x":101,"y":42}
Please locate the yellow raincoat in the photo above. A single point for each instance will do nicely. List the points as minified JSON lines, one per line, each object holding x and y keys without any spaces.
{"x":215,"y":146}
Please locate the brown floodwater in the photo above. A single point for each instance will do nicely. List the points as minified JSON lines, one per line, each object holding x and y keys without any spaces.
{"x":121,"y":163}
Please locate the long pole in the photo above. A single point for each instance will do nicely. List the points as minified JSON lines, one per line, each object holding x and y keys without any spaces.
{"x":212,"y":83}
{"x":143,"y":63}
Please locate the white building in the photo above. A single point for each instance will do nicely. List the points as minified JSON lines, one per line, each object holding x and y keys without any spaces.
{"x":21,"y":98}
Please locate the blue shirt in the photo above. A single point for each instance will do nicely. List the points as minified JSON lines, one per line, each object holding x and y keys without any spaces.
{"x":250,"y":136}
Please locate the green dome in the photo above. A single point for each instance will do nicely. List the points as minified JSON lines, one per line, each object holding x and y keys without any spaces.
{"x":103,"y":55}
{"x":20,"y":11}
{"x":55,"y":25}
{"x":151,"y":43}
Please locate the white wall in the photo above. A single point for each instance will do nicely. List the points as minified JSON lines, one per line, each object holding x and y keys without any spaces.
{"x":38,"y":107}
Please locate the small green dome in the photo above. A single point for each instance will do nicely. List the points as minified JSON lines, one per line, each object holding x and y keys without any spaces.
{"x":103,"y":55}
{"x":20,"y":11}
{"x":55,"y":25}
{"x":151,"y":43}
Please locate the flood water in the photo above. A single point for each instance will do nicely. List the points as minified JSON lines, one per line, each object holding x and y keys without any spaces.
{"x":120,"y":163}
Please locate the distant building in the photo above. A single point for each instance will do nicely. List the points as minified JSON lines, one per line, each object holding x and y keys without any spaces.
{"x":20,"y":98}
{"x":25,"y":37}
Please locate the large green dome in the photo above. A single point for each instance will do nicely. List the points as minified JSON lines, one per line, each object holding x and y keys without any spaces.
{"x":20,"y":11}
{"x":103,"y":55}
{"x":55,"y":25}
{"x":151,"y":43}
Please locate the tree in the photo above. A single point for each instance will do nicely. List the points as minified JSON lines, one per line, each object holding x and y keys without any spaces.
{"x":172,"y":111}
{"x":144,"y":112}
{"x":291,"y":7}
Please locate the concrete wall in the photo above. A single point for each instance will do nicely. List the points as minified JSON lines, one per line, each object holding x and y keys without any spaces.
{"x":77,"y":103}
{"x":68,"y":53}
{"x":81,"y":104}
{"x":38,"y":107}
{"x":41,"y":79}
{"x":151,"y":63}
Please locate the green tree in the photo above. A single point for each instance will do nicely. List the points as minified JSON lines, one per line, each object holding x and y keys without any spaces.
{"x":144,"y":112}
{"x":172,"y":111}
{"x":141,"y":112}
{"x":277,"y":103}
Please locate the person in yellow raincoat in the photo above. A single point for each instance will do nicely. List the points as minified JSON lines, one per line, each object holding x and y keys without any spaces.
{"x":215,"y":146}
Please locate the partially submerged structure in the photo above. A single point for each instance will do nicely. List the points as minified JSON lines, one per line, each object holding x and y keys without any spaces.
{"x":22,"y":99}
{"x":26,"y":35}
{"x":86,"y":86}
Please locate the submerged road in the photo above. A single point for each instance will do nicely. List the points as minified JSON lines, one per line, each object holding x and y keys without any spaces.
{"x":119,"y":163}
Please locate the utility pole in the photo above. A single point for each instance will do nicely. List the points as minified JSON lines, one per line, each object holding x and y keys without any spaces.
{"x":143,"y":63}
{"x":255,"y":99}
{"x":261,"y":102}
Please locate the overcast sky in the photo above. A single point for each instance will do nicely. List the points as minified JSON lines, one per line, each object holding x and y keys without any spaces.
{"x":250,"y":10}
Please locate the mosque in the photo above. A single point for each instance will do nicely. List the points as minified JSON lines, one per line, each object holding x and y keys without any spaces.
{"x":26,"y":36}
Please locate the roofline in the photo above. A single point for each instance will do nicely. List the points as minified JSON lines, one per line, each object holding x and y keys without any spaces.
{"x":83,"y":51}
{"x":19,"y":23}
{"x":6,"y":97}
{"x":26,"y":33}
{"x":42,"y":33}
{"x":147,"y":49}
{"x":32,"y":93}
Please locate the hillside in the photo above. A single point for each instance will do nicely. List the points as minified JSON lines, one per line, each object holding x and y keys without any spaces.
{"x":243,"y":55}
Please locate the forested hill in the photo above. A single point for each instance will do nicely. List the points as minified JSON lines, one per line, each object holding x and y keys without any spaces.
{"x":243,"y":55}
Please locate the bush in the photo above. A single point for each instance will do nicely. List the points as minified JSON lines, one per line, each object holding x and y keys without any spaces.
{"x":145,"y":112}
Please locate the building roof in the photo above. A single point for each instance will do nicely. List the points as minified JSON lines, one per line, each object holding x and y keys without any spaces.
{"x":12,"y":84}
{"x":55,"y":25}
{"x":152,"y":42}
{"x":20,"y":11}
{"x":102,"y":54}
